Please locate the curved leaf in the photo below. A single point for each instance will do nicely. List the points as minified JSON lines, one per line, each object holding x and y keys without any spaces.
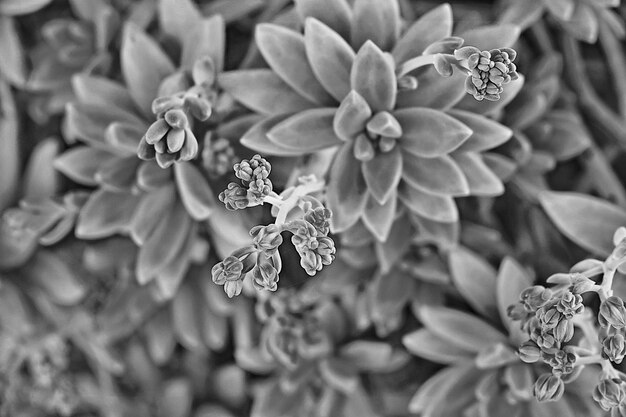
{"x":160,"y":338}
{"x":144,"y":65}
{"x":9,"y":143}
{"x":55,"y":277}
{"x":428,"y":345}
{"x":105,"y":213}
{"x":439,"y":208}
{"x":262,"y":91}
{"x":382,"y":174}
{"x":284,"y":51}
{"x":150,"y":210}
{"x":444,"y":235}
{"x":336,"y":14}
{"x":118,"y":174}
{"x":512,"y":280}
{"x":439,"y":176}
{"x":307,"y":131}
{"x":20,"y":7}
{"x":377,"y":21}
{"x":13,"y":62}
{"x":430,"y":133}
{"x":208,"y":37}
{"x":481,"y":180}
{"x":194,"y":191}
{"x":588,"y":221}
{"x":434,"y":91}
{"x":378,"y":218}
{"x":329,"y":56}
{"x":351,"y":117}
{"x":40,"y":179}
{"x":175,"y":398}
{"x":492,"y":36}
{"x":435,"y":390}
{"x":177,"y":16}
{"x":432,"y":26}
{"x":347,"y":191}
{"x":584,"y":24}
{"x":475,"y":279}
{"x":185,"y":318}
{"x":256,"y":138}
{"x":373,"y":77}
{"x":462,"y":330}
{"x":486,"y":133}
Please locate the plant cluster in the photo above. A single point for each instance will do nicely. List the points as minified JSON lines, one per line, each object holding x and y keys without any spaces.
{"x":435,"y":167}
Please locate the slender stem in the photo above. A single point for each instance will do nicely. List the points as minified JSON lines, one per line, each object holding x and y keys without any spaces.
{"x":587,"y":360}
{"x":617,"y":64}
{"x":415,"y":63}
{"x":603,"y":177}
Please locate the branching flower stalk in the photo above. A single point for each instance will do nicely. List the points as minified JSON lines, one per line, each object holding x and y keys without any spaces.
{"x":296,"y":211}
{"x":551,"y":315}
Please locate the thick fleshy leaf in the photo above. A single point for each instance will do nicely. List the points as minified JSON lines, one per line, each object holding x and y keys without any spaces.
{"x":435,"y":390}
{"x":194,"y":191}
{"x":284,"y":51}
{"x":396,"y":245}
{"x":163,"y":244}
{"x":9,"y":143}
{"x":389,"y":294}
{"x":185,"y":318}
{"x":520,"y":379}
{"x":444,"y":235}
{"x":368,"y":355}
{"x":373,"y":77}
{"x":382,"y":174}
{"x":256,"y":138}
{"x":461,"y":329}
{"x":124,"y":136}
{"x":439,"y":208}
{"x":272,"y":401}
{"x":144,"y":65}
{"x":584,"y":24}
{"x":160,"y":338}
{"x":336,"y":14}
{"x":207,"y":38}
{"x":378,"y":218}
{"x":470,"y":104}
{"x":502,"y":166}
{"x":262,"y":91}
{"x":481,"y":180}
{"x":100,"y":91}
{"x":428,"y":345}
{"x":496,"y":356}
{"x":434,"y":91}
{"x":175,"y":398}
{"x":227,"y":231}
{"x":486,"y":133}
{"x":13,"y":63}
{"x":492,"y":36}
{"x":329,"y":56}
{"x":151,"y":176}
{"x":440,"y":176}
{"x":40,"y":179}
{"x":20,"y":7}
{"x":512,"y":280}
{"x":55,"y":277}
{"x":562,"y":9}
{"x":347,"y":191}
{"x":475,"y":279}
{"x":176,"y":17}
{"x":307,"y":131}
{"x":377,"y":21}
{"x":150,"y":210}
{"x":588,"y":221}
{"x":432,"y":26}
{"x":351,"y":116}
{"x":118,"y":174}
{"x":430,"y":133}
{"x":105,"y":213}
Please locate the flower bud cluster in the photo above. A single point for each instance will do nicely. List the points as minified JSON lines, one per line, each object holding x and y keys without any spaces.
{"x":255,"y":184}
{"x":170,"y":138}
{"x":218,"y":156}
{"x":488,"y":71}
{"x":310,"y":238}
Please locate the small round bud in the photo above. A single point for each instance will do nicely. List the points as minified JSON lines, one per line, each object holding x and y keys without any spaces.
{"x":549,"y":387}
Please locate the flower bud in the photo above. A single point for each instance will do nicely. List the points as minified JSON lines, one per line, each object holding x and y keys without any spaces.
{"x":267,"y":238}
{"x":613,"y":312}
{"x":564,"y":331}
{"x":549,"y":387}
{"x":233,"y":288}
{"x":230,"y":269}
{"x":534,"y":297}
{"x":235,"y":197}
{"x":570,"y":304}
{"x":614,"y":348}
{"x":529,"y":352}
{"x":609,"y":393}
{"x":320,"y":219}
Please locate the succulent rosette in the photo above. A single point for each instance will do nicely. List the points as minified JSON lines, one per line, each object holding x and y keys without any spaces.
{"x":398,"y":138}
{"x":481,"y":349}
{"x":160,"y":204}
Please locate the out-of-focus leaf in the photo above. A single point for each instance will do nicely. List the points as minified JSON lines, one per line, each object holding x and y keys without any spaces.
{"x":481,"y":180}
{"x":194,"y":191}
{"x":40,"y":179}
{"x":55,"y":278}
{"x":520,"y":380}
{"x":163,"y":244}
{"x":341,"y":374}
{"x":439,"y":208}
{"x":382,"y":174}
{"x":428,"y":345}
{"x":334,"y":13}
{"x":15,"y":317}
{"x":444,"y":235}
{"x":80,"y":164}
{"x":373,"y":77}
{"x":522,"y":14}
{"x":100,"y":91}
{"x":378,"y":218}
{"x":233,"y":11}
{"x":377,"y":21}
{"x":432,"y":26}
{"x":263,"y":91}
{"x":486,"y":133}
{"x":500,"y":165}
{"x":144,"y":65}
{"x":105,"y":213}
{"x":487,"y":107}
{"x":10,"y":155}
{"x":13,"y":63}
{"x":284,"y":51}
{"x":20,"y":7}
{"x":584,"y":24}
{"x":496,"y":356}
{"x":475,"y":280}
{"x":562,"y":9}
{"x":124,"y":137}
{"x":460,"y":329}
{"x":208,"y":37}
{"x":390,"y":293}
{"x":185,"y":318}
{"x":17,"y":244}
{"x":492,"y":36}
{"x":176,"y":399}
{"x":430,"y":133}
{"x":330,"y":57}
{"x":256,"y":138}
{"x":118,"y":174}
{"x":588,"y":221}
{"x":367,"y":355}
{"x":512,"y":280}
{"x":229,"y":232}
{"x":436,"y":389}
{"x":440,"y":176}
{"x":176,"y":17}
{"x":151,"y":176}
{"x":271,"y":401}
{"x":160,"y":337}
{"x":307,"y":131}
{"x":347,"y":191}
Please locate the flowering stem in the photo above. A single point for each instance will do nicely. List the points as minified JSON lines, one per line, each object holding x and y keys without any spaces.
{"x":285,"y":206}
{"x":415,"y":63}
{"x":606,"y":287}
{"x":616,"y":62}
{"x":587,"y":360}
